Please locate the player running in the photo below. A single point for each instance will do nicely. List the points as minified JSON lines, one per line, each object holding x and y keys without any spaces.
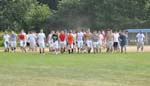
{"x":32,"y":40}
{"x":6,"y":39}
{"x":70,"y":42}
{"x":22,"y":38}
{"x":50,"y":41}
{"x":13,"y":39}
{"x":116,"y":41}
{"x":100,"y":41}
{"x":95,"y":39}
{"x":80,"y":36}
{"x":109,"y":39}
{"x":62,"y":41}
{"x":88,"y":38}
{"x":55,"y":42}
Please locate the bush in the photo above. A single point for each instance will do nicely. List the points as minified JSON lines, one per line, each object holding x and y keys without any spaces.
{"x":1,"y":39}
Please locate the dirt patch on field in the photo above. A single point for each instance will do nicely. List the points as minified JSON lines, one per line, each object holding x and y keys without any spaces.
{"x":129,"y":49}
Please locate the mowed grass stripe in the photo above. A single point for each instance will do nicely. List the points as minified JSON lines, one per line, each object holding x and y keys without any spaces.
{"x":33,"y":69}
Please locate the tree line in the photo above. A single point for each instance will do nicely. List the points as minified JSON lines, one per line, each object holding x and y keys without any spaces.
{"x":69,"y":14}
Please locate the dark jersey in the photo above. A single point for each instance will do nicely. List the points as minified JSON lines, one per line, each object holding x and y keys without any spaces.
{"x":123,"y":40}
{"x":55,"y":37}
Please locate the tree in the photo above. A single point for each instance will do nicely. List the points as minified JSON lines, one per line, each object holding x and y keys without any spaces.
{"x":36,"y":16}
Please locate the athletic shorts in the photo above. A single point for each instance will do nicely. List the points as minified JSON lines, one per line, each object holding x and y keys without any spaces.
{"x":115,"y":44}
{"x":50,"y":43}
{"x":70,"y":46}
{"x":109,"y":44}
{"x":89,"y":43}
{"x":22,"y":43}
{"x":80,"y":44}
{"x":13,"y":43}
{"x":62,"y":44}
{"x":32,"y":44}
{"x":41,"y":44}
{"x":6,"y":44}
{"x":55,"y":45}
{"x":140,"y":44}
{"x":95,"y":45}
{"x":100,"y":44}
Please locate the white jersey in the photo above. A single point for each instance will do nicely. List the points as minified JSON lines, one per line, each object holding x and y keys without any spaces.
{"x":101,"y":37}
{"x":6,"y":38}
{"x":116,"y":37}
{"x":31,"y":38}
{"x":80,"y":36}
{"x":41,"y":37}
{"x":140,"y":37}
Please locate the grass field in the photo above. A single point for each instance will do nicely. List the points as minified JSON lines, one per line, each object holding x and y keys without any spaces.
{"x":33,"y":69}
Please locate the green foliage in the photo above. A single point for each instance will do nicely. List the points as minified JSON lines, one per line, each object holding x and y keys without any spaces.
{"x":15,"y":13}
{"x":36,"y":16}
{"x":96,"y":14}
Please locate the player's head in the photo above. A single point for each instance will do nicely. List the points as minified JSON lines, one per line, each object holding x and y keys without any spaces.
{"x":62,"y":32}
{"x":22,"y":31}
{"x":5,"y":32}
{"x":140,"y":32}
{"x":41,"y":30}
{"x":12,"y":32}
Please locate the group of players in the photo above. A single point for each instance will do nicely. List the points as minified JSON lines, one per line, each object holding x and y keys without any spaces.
{"x":72,"y":41}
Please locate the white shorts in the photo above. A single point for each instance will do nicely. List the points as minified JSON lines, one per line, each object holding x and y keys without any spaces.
{"x":13,"y":44}
{"x":70,"y":46}
{"x":80,"y":44}
{"x":100,"y":44}
{"x":89,"y":43}
{"x":140,"y":44}
{"x":50,"y":43}
{"x":32,"y":44}
{"x":41,"y":44}
{"x":109,"y":44}
{"x":6,"y":44}
{"x":62,"y":44}
{"x":22,"y":43}
{"x":55,"y":45}
{"x":95,"y":45}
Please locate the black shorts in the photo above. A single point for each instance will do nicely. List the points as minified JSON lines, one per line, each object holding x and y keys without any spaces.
{"x":28,"y":44}
{"x":115,"y":44}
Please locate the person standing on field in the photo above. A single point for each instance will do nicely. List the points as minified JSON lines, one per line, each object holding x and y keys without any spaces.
{"x":140,"y":41}
{"x":116,"y":41}
{"x":100,"y":41}
{"x":32,"y":40}
{"x":123,"y":42}
{"x":55,"y":43}
{"x":70,"y":42}
{"x":109,"y":40}
{"x":13,"y":39}
{"x":62,"y":40}
{"x":22,"y":38}
{"x":6,"y":39}
{"x":41,"y":41}
{"x":88,"y":38}
{"x":50,"y":40}
{"x":79,"y":37}
{"x":95,"y":39}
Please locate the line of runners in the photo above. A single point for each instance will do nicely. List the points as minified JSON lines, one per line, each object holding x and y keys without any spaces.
{"x":72,"y":41}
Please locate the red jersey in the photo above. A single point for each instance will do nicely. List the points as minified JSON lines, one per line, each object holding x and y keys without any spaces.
{"x":21,"y":36}
{"x":62,"y":37}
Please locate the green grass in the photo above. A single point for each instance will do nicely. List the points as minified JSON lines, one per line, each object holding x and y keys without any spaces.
{"x":33,"y":69}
